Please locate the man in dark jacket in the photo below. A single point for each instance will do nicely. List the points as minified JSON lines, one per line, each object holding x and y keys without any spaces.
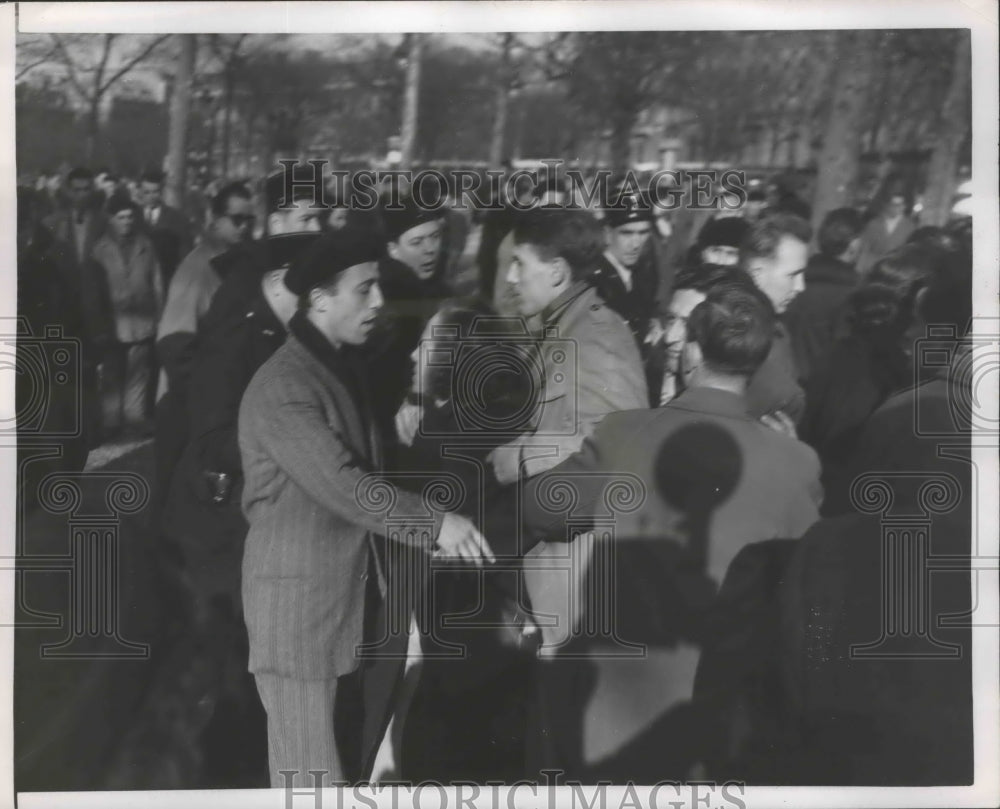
{"x":774,"y":253}
{"x":815,"y":317}
{"x":626,"y":277}
{"x":48,"y":296}
{"x":167,"y":228}
{"x":188,"y":298}
{"x":202,"y":522}
{"x":411,"y":282}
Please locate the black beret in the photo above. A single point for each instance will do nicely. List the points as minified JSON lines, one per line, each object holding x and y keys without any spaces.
{"x":119,"y":202}
{"x":404,"y":214}
{"x":627,"y":209}
{"x":332,"y":253}
{"x":282,"y":249}
{"x":274,"y":191}
{"x":728,"y":231}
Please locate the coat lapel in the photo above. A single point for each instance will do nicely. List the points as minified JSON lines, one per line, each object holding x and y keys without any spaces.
{"x":346,"y":406}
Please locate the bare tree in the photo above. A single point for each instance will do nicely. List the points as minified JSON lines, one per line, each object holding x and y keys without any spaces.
{"x":837,"y":169}
{"x":180,"y":108}
{"x":953,"y":126}
{"x":94,"y":64}
{"x":32,"y":52}
{"x":414,"y":46}
{"x":228,"y":50}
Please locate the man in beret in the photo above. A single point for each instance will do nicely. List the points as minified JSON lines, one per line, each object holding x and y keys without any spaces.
{"x":135,"y":286}
{"x":720,"y":239}
{"x":313,"y":564}
{"x":627,"y":278}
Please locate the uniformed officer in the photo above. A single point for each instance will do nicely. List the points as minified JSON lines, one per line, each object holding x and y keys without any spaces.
{"x":627,"y":278}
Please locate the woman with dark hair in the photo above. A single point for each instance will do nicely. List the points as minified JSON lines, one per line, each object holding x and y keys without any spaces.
{"x":472,"y":389}
{"x":873,"y":361}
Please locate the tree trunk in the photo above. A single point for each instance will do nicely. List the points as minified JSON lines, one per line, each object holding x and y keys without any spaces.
{"x":411,"y":100}
{"x":180,"y":108}
{"x":620,"y":148}
{"x":837,"y":168}
{"x":953,"y":127}
{"x":501,"y":103}
{"x":227,"y":111}
{"x":93,"y":129}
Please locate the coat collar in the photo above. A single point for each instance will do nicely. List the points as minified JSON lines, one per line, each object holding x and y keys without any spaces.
{"x":713,"y":401}
{"x":343,"y":368}
{"x":555,"y":310}
{"x":825,"y":270}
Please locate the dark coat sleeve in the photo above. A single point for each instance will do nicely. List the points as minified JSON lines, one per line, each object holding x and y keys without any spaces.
{"x":220,"y":374}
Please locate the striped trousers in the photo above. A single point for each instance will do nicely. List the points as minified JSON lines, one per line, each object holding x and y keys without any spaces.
{"x":313,"y":725}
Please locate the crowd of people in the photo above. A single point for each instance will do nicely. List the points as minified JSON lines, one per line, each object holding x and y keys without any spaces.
{"x":600,"y":516}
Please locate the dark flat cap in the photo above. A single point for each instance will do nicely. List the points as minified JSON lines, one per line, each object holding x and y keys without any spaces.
{"x":627,"y":209}
{"x":119,"y":201}
{"x":404,"y":214}
{"x":728,"y":231}
{"x":274,"y":191}
{"x":280,"y":251}
{"x":332,"y":253}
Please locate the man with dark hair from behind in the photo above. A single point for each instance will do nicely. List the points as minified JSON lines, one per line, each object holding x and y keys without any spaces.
{"x":774,"y":254}
{"x":690,"y":289}
{"x":815,"y":318}
{"x":714,"y":479}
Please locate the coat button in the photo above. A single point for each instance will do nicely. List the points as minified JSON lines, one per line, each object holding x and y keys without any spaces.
{"x":364,"y":577}
{"x":594,"y":307}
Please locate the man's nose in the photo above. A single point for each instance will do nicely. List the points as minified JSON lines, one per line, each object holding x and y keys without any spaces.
{"x":377,"y":298}
{"x":511,"y":274}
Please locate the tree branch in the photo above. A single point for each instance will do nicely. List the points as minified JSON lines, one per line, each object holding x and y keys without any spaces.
{"x":60,"y":47}
{"x":131,"y":63}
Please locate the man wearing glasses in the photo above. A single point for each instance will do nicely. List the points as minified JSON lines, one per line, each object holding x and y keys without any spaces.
{"x":188,"y":297}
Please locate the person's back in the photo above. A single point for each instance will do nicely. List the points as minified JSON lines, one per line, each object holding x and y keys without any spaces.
{"x":673,"y":495}
{"x":815,"y":317}
{"x":877,"y":678}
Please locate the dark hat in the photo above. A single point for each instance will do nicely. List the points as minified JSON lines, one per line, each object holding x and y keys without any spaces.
{"x":729,"y":231}
{"x":404,"y":214}
{"x":628,"y":208}
{"x":119,"y":202}
{"x":274,"y":191}
{"x":332,"y":253}
{"x":282,"y":250}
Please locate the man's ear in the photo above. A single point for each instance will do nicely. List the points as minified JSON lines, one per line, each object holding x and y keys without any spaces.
{"x":392,"y":248}
{"x":275,"y":221}
{"x":691,"y":358}
{"x":317,"y":300}
{"x":560,"y":271}
{"x":756,"y":266}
